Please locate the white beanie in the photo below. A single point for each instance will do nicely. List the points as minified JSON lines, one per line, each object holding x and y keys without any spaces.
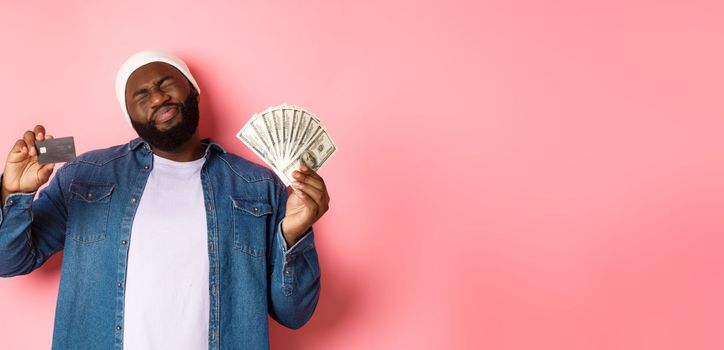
{"x":137,"y":61}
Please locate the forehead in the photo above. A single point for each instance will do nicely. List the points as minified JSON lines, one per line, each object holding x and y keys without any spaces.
{"x":149,"y":73}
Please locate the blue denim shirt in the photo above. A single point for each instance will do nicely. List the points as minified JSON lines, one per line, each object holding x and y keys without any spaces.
{"x":87,"y":210}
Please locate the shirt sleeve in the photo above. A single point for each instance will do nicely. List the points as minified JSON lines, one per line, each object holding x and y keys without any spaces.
{"x":31,"y":231}
{"x":298,"y":246}
{"x":295,"y":275}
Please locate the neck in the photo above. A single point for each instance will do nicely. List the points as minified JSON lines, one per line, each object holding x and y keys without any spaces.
{"x":190,"y":150}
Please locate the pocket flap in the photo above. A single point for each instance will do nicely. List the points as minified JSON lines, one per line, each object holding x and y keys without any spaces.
{"x":252,"y":206}
{"x":91,"y":191}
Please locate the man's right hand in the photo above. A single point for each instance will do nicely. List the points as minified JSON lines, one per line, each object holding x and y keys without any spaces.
{"x":23,"y":173}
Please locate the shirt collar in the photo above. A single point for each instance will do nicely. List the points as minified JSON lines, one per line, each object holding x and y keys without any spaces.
{"x":208,"y":142}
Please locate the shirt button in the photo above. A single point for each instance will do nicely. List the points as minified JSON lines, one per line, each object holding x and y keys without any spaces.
{"x":120,"y":284}
{"x":89,"y":195}
{"x":124,"y":242}
{"x":287,"y":272}
{"x":145,"y":167}
{"x":256,"y":210}
{"x":11,"y":202}
{"x":133,"y":199}
{"x":118,"y":328}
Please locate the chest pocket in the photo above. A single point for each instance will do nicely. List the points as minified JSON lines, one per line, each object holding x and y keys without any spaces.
{"x":88,"y":212}
{"x":251,"y":220}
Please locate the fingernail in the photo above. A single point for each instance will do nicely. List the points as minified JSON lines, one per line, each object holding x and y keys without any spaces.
{"x":296,"y":174}
{"x":299,"y":193}
{"x":296,"y":184}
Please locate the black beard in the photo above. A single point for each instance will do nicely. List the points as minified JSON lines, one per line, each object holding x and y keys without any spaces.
{"x":172,"y":139}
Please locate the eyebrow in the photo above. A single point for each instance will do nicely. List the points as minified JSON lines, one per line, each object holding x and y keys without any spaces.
{"x":145,"y":90}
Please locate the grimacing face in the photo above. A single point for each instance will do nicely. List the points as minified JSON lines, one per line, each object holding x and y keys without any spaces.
{"x":163,"y":105}
{"x":150,"y":87}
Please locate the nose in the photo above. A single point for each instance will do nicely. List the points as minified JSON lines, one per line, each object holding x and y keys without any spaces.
{"x":157,"y":97}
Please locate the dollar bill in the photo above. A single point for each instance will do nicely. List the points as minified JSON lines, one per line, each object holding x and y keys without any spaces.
{"x":313,"y":156}
{"x":286,"y":136}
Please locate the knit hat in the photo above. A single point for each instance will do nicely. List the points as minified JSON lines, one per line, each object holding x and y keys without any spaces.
{"x":137,"y":61}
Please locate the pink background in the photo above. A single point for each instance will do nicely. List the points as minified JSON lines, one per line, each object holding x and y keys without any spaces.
{"x":510,"y":175}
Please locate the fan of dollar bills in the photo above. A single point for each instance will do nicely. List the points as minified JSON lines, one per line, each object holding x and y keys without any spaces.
{"x":285,"y":135}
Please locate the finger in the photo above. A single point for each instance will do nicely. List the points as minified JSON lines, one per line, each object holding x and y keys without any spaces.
{"x":44,"y":172}
{"x":306,"y":169}
{"x":307,"y":175}
{"x":18,"y":146}
{"x":29,"y":138}
{"x":309,"y":172}
{"x":39,"y":131}
{"x":315,"y":181}
{"x":309,"y":191}
{"x":315,"y":178}
{"x":19,"y":152}
{"x":308,"y":201}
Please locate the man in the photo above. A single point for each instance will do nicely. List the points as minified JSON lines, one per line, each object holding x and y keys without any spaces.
{"x":169,"y":241}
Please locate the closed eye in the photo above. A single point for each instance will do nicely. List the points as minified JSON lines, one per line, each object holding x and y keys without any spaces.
{"x":140,"y":96}
{"x":165,"y":81}
{"x":161,"y":83}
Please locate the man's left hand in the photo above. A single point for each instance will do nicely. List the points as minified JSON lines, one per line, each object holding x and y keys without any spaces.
{"x":306,"y":204}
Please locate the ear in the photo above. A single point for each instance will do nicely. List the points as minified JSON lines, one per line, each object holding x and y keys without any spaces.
{"x":194,"y":91}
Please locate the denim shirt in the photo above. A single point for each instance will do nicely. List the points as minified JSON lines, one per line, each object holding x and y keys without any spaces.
{"x":87,"y":211}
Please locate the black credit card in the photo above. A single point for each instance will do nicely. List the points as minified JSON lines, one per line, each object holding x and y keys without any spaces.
{"x":56,"y":150}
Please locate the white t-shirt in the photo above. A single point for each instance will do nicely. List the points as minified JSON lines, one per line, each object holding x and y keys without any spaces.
{"x":167,"y":283}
